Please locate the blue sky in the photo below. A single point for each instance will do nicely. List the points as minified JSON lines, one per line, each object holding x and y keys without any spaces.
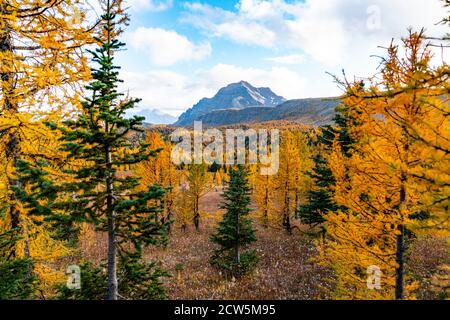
{"x":181,"y":51}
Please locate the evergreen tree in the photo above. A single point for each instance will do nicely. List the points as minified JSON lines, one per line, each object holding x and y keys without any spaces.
{"x":98,"y":144}
{"x":320,"y":196}
{"x":214,"y":167}
{"x":137,"y":281}
{"x":16,"y":280}
{"x":235,"y":232}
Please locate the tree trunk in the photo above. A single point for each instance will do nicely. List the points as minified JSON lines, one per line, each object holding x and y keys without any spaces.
{"x":266,"y":208}
{"x":9,"y":104}
{"x":26,"y":249}
{"x":112,"y":249}
{"x":6,"y":47}
{"x":400,"y":248}
{"x":112,"y":245}
{"x":266,"y":218}
{"x":399,"y":272}
{"x":286,"y":213}
{"x":286,"y":209}
{"x":170,"y":202}
{"x":238,"y":239}
{"x":196,"y":213}
{"x":158,"y":204}
{"x":297,"y":198}
{"x":112,"y":261}
{"x":12,"y":154}
{"x":169,"y":218}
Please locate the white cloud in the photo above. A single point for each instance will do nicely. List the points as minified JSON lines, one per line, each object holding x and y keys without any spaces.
{"x":167,"y":91}
{"x":221,"y":23}
{"x":166,"y":47}
{"x":320,"y":35}
{"x":173,"y":92}
{"x":281,"y":80}
{"x":292,"y":59}
{"x":150,"y":5}
{"x":250,"y":33}
{"x":334,"y":33}
{"x":257,"y":9}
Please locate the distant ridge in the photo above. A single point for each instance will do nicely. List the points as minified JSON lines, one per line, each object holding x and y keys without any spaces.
{"x":313,"y":111}
{"x":153,"y":116}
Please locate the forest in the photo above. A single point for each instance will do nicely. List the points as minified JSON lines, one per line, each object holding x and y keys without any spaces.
{"x":93,"y":207}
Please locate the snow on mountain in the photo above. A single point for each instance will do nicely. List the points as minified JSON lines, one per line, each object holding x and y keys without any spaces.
{"x":234,"y":96}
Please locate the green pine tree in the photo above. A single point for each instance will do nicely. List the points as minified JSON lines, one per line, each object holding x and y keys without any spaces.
{"x":95,"y":142}
{"x":16,"y":280}
{"x":235,"y":232}
{"x":137,"y":281}
{"x":214,"y":167}
{"x":320,"y":197}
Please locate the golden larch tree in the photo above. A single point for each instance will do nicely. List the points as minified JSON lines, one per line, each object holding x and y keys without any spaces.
{"x":396,"y":178}
{"x":42,"y":66}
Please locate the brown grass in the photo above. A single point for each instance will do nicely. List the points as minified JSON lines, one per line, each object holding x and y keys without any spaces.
{"x":285,"y":269}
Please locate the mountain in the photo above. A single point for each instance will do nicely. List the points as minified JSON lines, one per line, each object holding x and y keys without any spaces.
{"x":235,"y":96}
{"x":313,"y":111}
{"x":154,"y":116}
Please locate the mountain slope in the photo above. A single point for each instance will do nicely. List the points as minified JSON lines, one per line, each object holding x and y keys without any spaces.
{"x":314,"y":111}
{"x":153,"y":116}
{"x":234,"y":96}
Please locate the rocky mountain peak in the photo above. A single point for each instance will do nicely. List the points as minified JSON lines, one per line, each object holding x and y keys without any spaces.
{"x":238,"y":95}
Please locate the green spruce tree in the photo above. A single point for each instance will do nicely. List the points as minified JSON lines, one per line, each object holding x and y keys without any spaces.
{"x":16,"y":280}
{"x":235,"y":232}
{"x":95,"y":191}
{"x":136,"y":281}
{"x":320,"y":196}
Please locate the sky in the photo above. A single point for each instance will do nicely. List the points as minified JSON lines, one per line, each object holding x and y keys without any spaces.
{"x":181,"y":51}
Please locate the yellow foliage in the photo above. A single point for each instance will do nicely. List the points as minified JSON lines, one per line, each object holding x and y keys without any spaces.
{"x":291,"y":181}
{"x":47,"y":254}
{"x":160,"y":170}
{"x":43,"y":70}
{"x":398,"y":171}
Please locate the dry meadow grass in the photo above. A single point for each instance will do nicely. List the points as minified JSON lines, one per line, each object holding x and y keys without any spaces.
{"x":286,"y":269}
